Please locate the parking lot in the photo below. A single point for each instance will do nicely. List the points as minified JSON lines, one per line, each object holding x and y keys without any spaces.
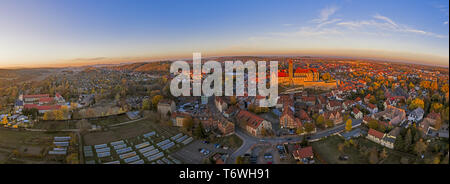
{"x":190,"y":154}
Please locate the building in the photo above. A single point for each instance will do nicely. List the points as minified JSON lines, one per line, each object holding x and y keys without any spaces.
{"x":372,"y":108}
{"x":253,"y":123}
{"x":308,"y":77}
{"x":178,"y":118}
{"x":394,"y":115}
{"x":416,"y":115}
{"x":225,"y":127}
{"x":304,"y":155}
{"x":221,"y":105}
{"x":288,"y":120}
{"x":381,"y":138}
{"x":357,"y":113}
{"x":165,"y":106}
{"x":334,"y":116}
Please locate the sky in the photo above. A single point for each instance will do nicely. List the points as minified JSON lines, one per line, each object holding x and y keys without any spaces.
{"x":77,"y":32}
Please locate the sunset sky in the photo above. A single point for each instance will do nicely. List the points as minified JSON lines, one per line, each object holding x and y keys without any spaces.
{"x":75,"y":32}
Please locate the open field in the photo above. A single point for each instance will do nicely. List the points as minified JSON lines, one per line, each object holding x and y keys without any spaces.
{"x":129,"y":131}
{"x":327,"y":150}
{"x":30,"y":147}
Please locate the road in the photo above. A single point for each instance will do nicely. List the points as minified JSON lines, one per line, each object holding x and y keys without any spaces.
{"x":249,"y":141}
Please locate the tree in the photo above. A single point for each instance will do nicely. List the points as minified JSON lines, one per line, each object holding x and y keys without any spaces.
{"x":436,"y":107}
{"x":233,"y":100}
{"x":329,"y":123}
{"x":309,"y":127}
{"x":348,"y":125}
{"x":5,"y":120}
{"x":155,"y":100}
{"x":408,"y":140}
{"x":416,"y":103}
{"x":373,"y":124}
{"x":320,"y":120}
{"x":199,"y":132}
{"x":373,"y":157}
{"x":188,"y":123}
{"x":146,"y":104}
{"x":420,"y":147}
{"x":299,"y":131}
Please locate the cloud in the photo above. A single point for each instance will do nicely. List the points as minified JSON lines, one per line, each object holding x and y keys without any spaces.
{"x":326,"y":13}
{"x":446,"y":22}
{"x":387,"y":24}
{"x":378,"y":16}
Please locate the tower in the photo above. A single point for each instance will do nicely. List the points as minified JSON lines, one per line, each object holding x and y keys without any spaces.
{"x":291,"y":70}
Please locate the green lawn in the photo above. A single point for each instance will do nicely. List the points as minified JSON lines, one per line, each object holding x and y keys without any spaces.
{"x":327,"y":150}
{"x":232,"y":141}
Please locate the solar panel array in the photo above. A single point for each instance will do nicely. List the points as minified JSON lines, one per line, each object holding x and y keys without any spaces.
{"x":107,"y":149}
{"x":132,"y":159}
{"x":143,"y":150}
{"x":142,"y":145}
{"x":138,"y":162}
{"x":120,"y":146}
{"x":62,"y":144}
{"x":103,"y":154}
{"x":113,"y":162}
{"x":176,"y":136}
{"x":100,"y":146}
{"x":117,"y":143}
{"x":60,"y":139}
{"x":124,"y":150}
{"x":126,"y":155}
{"x":156,"y":156}
{"x":150,"y":153}
{"x":187,"y":141}
{"x":181,"y":139}
{"x":167,"y":161}
{"x":149,"y":134}
{"x":163,"y":142}
{"x":167,"y":146}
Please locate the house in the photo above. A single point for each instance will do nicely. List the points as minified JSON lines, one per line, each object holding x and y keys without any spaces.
{"x":309,"y":100}
{"x":367,"y":98}
{"x":380,"y":138}
{"x":348,"y":104}
{"x":430,"y":123}
{"x":178,"y":118}
{"x":416,"y":115}
{"x":372,"y":108}
{"x":304,"y":155}
{"x":165,"y":106}
{"x":225,"y":127}
{"x":254,"y":124}
{"x":357,"y":113}
{"x":334,"y":116}
{"x":287,"y":119}
{"x":394,"y":115}
{"x":221,"y":105}
{"x":375,"y":136}
{"x":333,"y":105}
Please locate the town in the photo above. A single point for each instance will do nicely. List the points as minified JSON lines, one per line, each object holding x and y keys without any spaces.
{"x":329,"y":111}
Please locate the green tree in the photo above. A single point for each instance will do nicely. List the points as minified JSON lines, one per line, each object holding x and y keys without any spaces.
{"x":146,"y":104}
{"x":199,"y":132}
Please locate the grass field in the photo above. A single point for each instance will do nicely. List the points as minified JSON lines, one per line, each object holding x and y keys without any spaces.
{"x":328,"y":151}
{"x":30,"y":144}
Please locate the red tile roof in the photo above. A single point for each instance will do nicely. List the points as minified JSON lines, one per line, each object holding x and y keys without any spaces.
{"x":304,"y":152}
{"x":376,"y":134}
{"x":36,"y":96}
